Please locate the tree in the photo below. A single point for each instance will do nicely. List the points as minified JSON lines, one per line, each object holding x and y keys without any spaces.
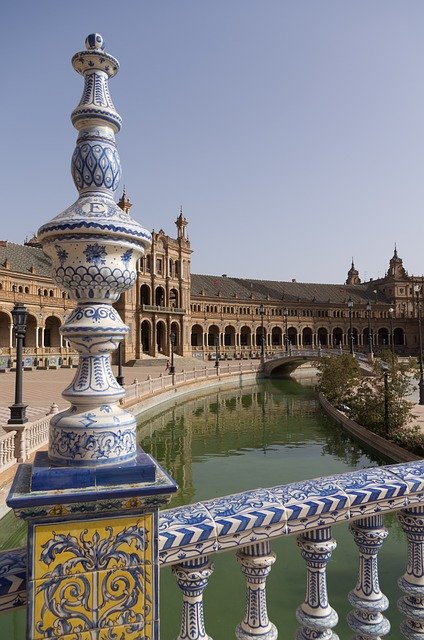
{"x":375,"y":400}
{"x":338,"y":378}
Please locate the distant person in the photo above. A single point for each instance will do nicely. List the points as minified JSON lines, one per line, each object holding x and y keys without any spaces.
{"x":167,"y":365}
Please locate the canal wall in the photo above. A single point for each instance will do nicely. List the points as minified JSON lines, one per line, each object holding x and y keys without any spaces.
{"x":389,"y":450}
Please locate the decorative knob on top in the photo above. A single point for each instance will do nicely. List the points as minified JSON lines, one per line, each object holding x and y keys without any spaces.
{"x":97,"y":67}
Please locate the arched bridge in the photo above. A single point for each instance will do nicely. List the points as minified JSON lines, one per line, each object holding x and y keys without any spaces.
{"x":290,"y":360}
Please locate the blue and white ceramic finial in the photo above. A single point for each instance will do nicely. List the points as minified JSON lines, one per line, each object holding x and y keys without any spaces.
{"x":94,"y":247}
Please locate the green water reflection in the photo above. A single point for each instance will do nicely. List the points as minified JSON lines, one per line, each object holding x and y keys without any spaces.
{"x":261,"y":435}
{"x":231,"y":440}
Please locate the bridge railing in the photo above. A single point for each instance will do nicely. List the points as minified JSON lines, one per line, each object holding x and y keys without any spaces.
{"x":248,"y":522}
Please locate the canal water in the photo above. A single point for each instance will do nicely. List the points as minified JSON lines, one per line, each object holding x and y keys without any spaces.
{"x":234,"y":439}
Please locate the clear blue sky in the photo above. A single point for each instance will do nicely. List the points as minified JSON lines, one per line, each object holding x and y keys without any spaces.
{"x":292,"y":132}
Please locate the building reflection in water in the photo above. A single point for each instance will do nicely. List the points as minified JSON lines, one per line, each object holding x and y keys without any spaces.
{"x":230,"y":421}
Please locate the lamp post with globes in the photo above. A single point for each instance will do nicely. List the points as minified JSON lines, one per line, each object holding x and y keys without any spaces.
{"x":18,"y":409}
{"x":417,"y":289}
{"x":286,"y":332}
{"x":368,"y":307}
{"x":262,"y":313}
{"x":350,"y":307}
{"x":120,"y":377}
{"x":392,"y":344}
{"x":217,"y":352}
{"x":172,"y":367}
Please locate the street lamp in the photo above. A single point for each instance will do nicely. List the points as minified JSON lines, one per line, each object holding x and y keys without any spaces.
{"x":386,"y":400}
{"x":120,"y":377}
{"x":391,"y":311}
{"x":18,"y":409}
{"x":262,"y":312}
{"x":417,"y":289}
{"x":286,"y":333}
{"x":217,"y":352}
{"x":350,"y":306}
{"x":172,"y":368}
{"x":369,"y":329}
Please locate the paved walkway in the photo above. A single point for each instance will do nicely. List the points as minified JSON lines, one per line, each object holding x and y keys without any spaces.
{"x":42,"y":388}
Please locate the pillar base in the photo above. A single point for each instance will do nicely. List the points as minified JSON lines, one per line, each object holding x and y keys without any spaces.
{"x":93,"y":567}
{"x":46,"y":475}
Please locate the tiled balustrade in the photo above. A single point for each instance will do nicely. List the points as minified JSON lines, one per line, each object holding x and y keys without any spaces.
{"x":248,"y":522}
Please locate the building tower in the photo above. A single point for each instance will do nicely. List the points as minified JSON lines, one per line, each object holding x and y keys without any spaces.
{"x":353,"y":275}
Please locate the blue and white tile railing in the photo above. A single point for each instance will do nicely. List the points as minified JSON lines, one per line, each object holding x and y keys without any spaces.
{"x":248,"y":522}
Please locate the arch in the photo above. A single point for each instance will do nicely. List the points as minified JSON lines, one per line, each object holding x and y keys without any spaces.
{"x":145,"y":294}
{"x":307,"y":337}
{"x":383,"y":337}
{"x":259,"y":336}
{"x":398,"y":337}
{"x":146,"y":336}
{"x":173,"y":298}
{"x":51,"y":332}
{"x":175,"y":329}
{"x":213,"y":335}
{"x":292,"y":336}
{"x":31,"y":331}
{"x":245,"y":336}
{"x":5,"y":323}
{"x":161,"y":337}
{"x":229,"y":336}
{"x":160,"y":297}
{"x":366,"y":337}
{"x":322,"y":336}
{"x":276,"y":337}
{"x":196,"y":336}
{"x":337,"y":337}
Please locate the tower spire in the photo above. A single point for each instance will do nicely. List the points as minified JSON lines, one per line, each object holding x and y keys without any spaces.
{"x":181,"y":223}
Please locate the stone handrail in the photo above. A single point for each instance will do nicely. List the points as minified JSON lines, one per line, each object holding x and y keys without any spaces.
{"x":248,"y":522}
{"x":138,"y":391}
{"x":7,"y":450}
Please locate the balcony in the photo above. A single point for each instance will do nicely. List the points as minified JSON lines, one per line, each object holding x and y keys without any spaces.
{"x":158,"y":309}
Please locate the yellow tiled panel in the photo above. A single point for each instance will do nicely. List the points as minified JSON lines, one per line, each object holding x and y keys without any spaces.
{"x":125,"y":597}
{"x":128,"y":633}
{"x":61,"y":602}
{"x":75,"y":546}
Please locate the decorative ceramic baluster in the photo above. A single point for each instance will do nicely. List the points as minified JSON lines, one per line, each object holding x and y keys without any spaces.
{"x":368,"y":601}
{"x":315,"y":614}
{"x":256,"y":562}
{"x":94,"y":247}
{"x":192,"y":577}
{"x":412,"y":581}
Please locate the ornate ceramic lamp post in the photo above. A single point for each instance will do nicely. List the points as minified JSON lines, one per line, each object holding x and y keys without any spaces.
{"x":92,"y":500}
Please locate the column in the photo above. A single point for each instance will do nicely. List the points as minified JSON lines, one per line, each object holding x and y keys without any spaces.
{"x":315,"y":614}
{"x":256,"y":562}
{"x":192,"y":578}
{"x":412,"y":581}
{"x":366,"y":619}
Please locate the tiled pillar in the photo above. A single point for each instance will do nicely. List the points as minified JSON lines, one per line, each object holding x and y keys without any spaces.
{"x":91,"y":501}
